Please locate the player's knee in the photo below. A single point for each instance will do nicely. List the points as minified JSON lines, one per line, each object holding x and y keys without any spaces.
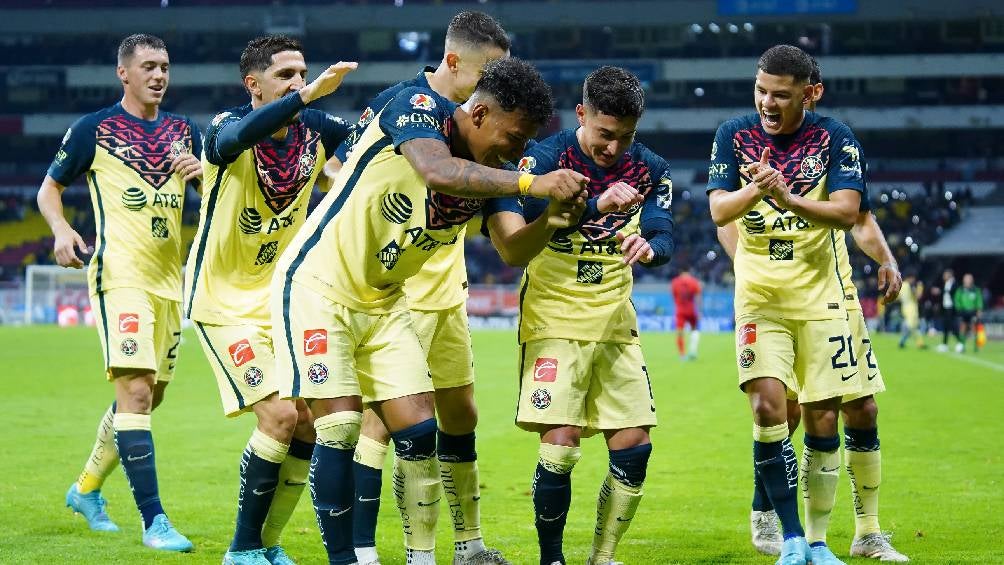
{"x":628,"y":466}
{"x":373,"y":427}
{"x":339,"y":430}
{"x":134,"y":394}
{"x":458,"y":418}
{"x":417,"y":442}
{"x":861,"y":413}
{"x":559,"y":459}
{"x":279,"y":419}
{"x":567,"y":436}
{"x":768,"y":412}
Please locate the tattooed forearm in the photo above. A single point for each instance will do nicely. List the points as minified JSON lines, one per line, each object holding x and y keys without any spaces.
{"x":445,"y":173}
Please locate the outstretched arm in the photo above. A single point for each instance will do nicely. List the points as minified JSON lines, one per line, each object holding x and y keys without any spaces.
{"x":869,"y":238}
{"x":519,"y":241}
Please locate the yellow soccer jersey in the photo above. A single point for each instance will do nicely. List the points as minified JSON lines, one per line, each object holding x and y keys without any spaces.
{"x":785,"y":266}
{"x":850,"y":291}
{"x":380,"y":223}
{"x":255,"y":200}
{"x":579,"y":287}
{"x":137,"y":200}
{"x":442,"y":282}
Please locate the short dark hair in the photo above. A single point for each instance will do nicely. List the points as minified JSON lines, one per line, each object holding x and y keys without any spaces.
{"x":477,"y":29}
{"x":129,"y":45}
{"x":257,"y":56}
{"x":516,"y":85}
{"x":786,"y":60}
{"x":815,"y":77}
{"x":614,"y":91}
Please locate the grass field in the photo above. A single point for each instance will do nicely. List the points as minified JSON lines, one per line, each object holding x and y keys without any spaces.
{"x":940,"y":425}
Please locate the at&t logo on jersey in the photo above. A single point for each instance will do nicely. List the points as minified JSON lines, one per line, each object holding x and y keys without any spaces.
{"x":527,"y":164}
{"x":754,"y":222}
{"x":545,"y":370}
{"x":315,"y":342}
{"x":241,"y":352}
{"x":422,"y":101}
{"x":128,"y":323}
{"x":134,"y":198}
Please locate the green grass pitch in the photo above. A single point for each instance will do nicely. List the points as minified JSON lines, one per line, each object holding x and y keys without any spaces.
{"x":940,"y":425}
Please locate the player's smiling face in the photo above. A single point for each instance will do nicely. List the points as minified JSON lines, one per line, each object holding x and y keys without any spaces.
{"x":779,"y":100}
{"x":498,"y":136}
{"x":604,"y":138}
{"x":287,"y":73}
{"x":145,"y":75}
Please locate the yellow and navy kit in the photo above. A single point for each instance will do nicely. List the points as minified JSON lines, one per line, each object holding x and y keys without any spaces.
{"x":584,"y":266}
{"x":380,"y":223}
{"x":137,"y":199}
{"x":785,"y":265}
{"x":256,"y":194}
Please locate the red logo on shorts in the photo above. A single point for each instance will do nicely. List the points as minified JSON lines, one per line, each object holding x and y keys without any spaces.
{"x":315,"y":342}
{"x":241,"y":352}
{"x":128,"y":323}
{"x":545,"y":370}
{"x":747,"y":334}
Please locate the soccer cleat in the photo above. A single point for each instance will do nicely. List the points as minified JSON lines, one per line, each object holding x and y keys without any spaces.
{"x":162,"y":535}
{"x":877,"y":546}
{"x":960,"y":348}
{"x":248,"y":557}
{"x":92,"y":507}
{"x":765,"y":532}
{"x":486,"y":557}
{"x":942,"y":348}
{"x":795,"y":551}
{"x":277,"y":556}
{"x":821,"y":555}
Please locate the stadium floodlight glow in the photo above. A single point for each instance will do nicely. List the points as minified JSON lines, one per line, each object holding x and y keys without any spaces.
{"x":915,"y":248}
{"x":915,"y":219}
{"x":733,"y":28}
{"x":948,"y":195}
{"x":884,"y":198}
{"x":711,"y":255}
{"x":747,"y":27}
{"x":895,"y":194}
{"x":908,"y":240}
{"x":698,"y":92}
{"x":713,"y":27}
{"x":696,"y":28}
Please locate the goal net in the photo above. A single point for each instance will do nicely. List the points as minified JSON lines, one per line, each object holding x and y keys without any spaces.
{"x":54,"y":294}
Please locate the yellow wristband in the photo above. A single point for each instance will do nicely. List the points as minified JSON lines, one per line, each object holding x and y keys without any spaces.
{"x":525,"y":180}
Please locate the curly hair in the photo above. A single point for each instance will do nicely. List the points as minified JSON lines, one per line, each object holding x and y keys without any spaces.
{"x":516,"y":85}
{"x":477,"y":29}
{"x":786,"y":60}
{"x":257,"y":56}
{"x":129,"y":45}
{"x":815,"y":77}
{"x":614,"y":91}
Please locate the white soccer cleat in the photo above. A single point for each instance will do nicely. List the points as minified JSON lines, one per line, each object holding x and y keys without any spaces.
{"x":959,"y":348}
{"x":942,"y":348}
{"x":877,"y":546}
{"x":765,"y":532}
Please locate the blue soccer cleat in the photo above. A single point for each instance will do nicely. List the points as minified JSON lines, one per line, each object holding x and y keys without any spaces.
{"x":248,"y":557}
{"x":162,"y":535}
{"x":276,"y":556}
{"x":821,"y":555}
{"x":795,"y":551}
{"x":92,"y":507}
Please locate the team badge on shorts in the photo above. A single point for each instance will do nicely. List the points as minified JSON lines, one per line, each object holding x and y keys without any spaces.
{"x":129,"y":347}
{"x":540,"y":398}
{"x":746,"y":358}
{"x":315,"y":342}
{"x":128,"y":323}
{"x":317,"y":373}
{"x":241,"y":352}
{"x":253,"y":376}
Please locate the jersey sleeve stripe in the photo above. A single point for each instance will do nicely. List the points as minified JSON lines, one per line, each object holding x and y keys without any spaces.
{"x":314,"y":238}
{"x":201,"y":251}
{"x":209,"y":344}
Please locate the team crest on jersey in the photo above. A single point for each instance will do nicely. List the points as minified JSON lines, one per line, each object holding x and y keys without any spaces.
{"x":315,"y":342}
{"x":396,"y":208}
{"x":147,"y":152}
{"x":253,"y":376}
{"x":129,"y":347}
{"x":754,"y":222}
{"x":545,"y":370}
{"x":283,"y":172}
{"x":389,"y":255}
{"x":422,"y":101}
{"x":317,"y":373}
{"x":249,"y":221}
{"x":747,"y":358}
{"x":444,"y":210}
{"x":811,"y":167}
{"x":178,"y":148}
{"x":241,"y":352}
{"x":527,"y":164}
{"x":128,"y":323}
{"x":540,"y":398}
{"x":133,"y":198}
